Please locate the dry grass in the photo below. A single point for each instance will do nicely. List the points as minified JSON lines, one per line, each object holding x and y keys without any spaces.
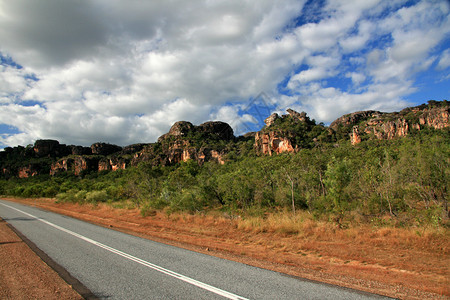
{"x":402,"y":263}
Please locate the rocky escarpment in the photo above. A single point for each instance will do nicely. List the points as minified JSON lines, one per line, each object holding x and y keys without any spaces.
{"x":214,"y":141}
{"x":103,"y":157}
{"x":286,"y":133}
{"x":202,"y":143}
{"x":183,"y":142}
{"x":365,"y":125}
{"x":76,"y":164}
{"x":294,"y":131}
{"x":51,"y":157}
{"x":97,"y":157}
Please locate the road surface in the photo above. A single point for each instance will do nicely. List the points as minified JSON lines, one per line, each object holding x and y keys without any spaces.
{"x":115,"y":265}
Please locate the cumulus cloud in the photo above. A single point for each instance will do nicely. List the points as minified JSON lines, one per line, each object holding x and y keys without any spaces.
{"x":125,"y":71}
{"x":444,"y":61}
{"x":357,"y":41}
{"x":12,"y":82}
{"x":319,"y":67}
{"x":357,"y":78}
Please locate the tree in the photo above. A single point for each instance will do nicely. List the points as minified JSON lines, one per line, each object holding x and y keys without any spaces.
{"x":337,"y":177}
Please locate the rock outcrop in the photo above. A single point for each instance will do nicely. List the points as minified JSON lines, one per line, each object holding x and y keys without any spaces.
{"x":44,"y":148}
{"x":354,"y":118}
{"x":104,"y":149}
{"x":28,"y":171}
{"x":271,"y":119}
{"x":437,"y":117}
{"x":273,"y":142}
{"x":280,"y":133}
{"x":387,"y":126}
{"x":62,"y":165}
{"x":216,"y":130}
{"x":112,"y":164}
{"x":179,"y":129}
{"x":301,"y":117}
{"x":79,"y":150}
{"x":52,"y":148}
{"x":76,"y":164}
{"x":355,"y":137}
{"x":184,"y":142}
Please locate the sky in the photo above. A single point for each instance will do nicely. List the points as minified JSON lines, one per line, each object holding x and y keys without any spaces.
{"x":123,"y":71}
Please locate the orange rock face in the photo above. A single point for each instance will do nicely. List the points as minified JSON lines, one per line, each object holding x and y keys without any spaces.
{"x":272,"y":142}
{"x":26,"y":172}
{"x":387,"y":126}
{"x":355,"y":137}
{"x":438,"y":118}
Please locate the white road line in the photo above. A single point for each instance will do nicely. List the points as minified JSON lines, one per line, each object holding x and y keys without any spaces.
{"x":138,"y":260}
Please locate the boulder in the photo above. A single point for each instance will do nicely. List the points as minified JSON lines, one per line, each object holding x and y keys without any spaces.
{"x":180,"y":128}
{"x":216,"y":130}
{"x":43,"y":148}
{"x":104,"y":149}
{"x":271,"y":119}
{"x":302,"y":117}
{"x":79,"y":150}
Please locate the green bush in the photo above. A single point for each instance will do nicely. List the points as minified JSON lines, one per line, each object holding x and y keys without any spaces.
{"x":68,"y":196}
{"x":96,"y":196}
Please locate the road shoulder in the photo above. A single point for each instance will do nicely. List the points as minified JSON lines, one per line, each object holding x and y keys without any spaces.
{"x":23,"y":275}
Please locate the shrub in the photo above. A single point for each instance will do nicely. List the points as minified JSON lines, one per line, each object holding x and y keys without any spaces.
{"x":68,"y":196}
{"x":80,"y":196}
{"x":96,"y":196}
{"x":50,"y":192}
{"x":147,"y":211}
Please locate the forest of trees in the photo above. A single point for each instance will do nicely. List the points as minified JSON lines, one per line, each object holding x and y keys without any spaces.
{"x":400,"y":182}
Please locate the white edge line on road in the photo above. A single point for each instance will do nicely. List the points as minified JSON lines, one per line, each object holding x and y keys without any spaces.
{"x":138,"y":260}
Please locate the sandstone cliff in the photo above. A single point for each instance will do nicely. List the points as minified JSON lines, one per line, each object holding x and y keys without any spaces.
{"x":76,"y":164}
{"x":201,"y":143}
{"x":287,"y":133}
{"x":374,"y":124}
{"x":183,"y":142}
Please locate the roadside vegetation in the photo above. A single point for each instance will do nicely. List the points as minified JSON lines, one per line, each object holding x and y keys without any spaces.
{"x":397,"y":183}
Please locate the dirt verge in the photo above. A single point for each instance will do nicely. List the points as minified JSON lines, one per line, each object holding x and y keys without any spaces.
{"x":23,"y":275}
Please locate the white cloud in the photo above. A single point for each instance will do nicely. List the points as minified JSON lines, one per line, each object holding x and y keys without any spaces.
{"x":307,"y":76}
{"x":415,"y":32}
{"x":12,"y":81}
{"x":343,"y":17}
{"x":444,"y":61}
{"x":328,"y":103}
{"x":50,"y":31}
{"x":357,"y":41}
{"x":125,"y":71}
{"x":320,"y":67}
{"x":357,"y":78}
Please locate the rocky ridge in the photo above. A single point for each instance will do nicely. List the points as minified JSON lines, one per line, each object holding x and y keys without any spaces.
{"x":183,"y":142}
{"x":385,"y":126}
{"x":213,"y":141}
{"x":279,"y":134}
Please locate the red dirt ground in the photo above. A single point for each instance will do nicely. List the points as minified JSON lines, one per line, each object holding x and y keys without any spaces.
{"x":23,"y":275}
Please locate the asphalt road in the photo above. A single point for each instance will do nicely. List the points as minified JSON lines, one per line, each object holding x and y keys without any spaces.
{"x":114,"y":265}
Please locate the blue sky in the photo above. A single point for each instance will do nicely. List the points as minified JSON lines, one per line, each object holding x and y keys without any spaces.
{"x":124,"y":71}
